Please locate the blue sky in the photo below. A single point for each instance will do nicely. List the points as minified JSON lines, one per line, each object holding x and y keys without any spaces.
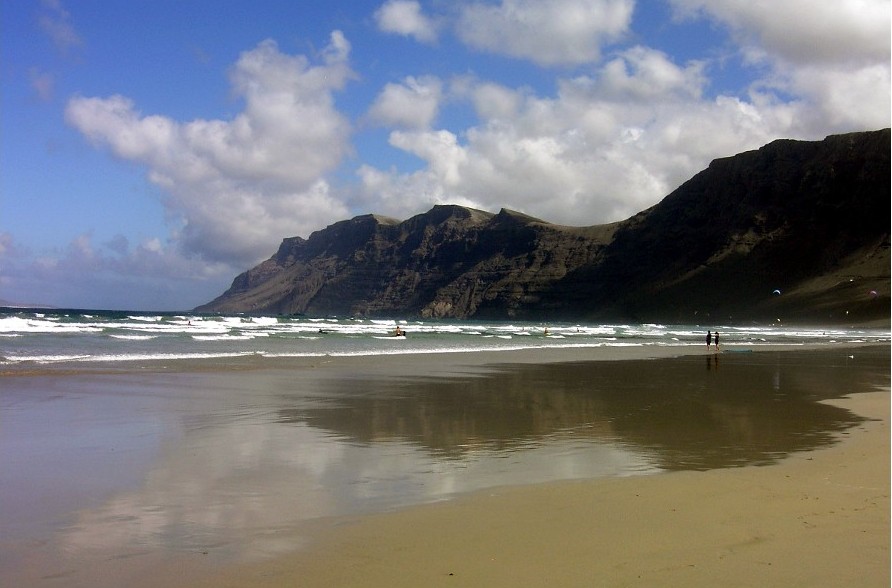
{"x":152,"y":150}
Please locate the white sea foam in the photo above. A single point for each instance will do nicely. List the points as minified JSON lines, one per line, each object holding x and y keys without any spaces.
{"x":121,"y":357}
{"x":223,"y":337}
{"x":15,"y":324}
{"x":49,"y":336}
{"x":46,"y":358}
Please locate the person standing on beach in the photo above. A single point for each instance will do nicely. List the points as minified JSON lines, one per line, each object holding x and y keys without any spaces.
{"x":716,"y":337}
{"x":708,"y":339}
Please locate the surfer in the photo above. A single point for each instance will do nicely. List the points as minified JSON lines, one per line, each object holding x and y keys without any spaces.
{"x":399,"y":332}
{"x":708,"y":339}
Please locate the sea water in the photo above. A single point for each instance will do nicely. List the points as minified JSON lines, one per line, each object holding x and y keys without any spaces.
{"x":39,"y":336}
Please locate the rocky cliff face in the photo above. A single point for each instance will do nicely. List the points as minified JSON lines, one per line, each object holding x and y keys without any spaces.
{"x":808,"y":219}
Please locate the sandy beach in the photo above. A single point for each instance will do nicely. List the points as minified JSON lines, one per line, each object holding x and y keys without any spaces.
{"x":816,"y":519}
{"x":819,"y":519}
{"x":774,"y":471}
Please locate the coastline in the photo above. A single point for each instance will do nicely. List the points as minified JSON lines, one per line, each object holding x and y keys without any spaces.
{"x":414,"y":363}
{"x":815,"y":519}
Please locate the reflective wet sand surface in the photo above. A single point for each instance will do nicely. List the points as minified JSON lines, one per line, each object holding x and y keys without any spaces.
{"x":106,"y":475}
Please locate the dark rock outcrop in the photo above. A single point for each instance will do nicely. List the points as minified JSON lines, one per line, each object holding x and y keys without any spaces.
{"x":807,"y":219}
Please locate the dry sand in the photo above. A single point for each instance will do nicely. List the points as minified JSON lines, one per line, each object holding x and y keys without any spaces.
{"x":815,"y":519}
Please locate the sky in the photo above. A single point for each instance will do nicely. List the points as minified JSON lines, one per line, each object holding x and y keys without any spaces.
{"x":152,"y":150}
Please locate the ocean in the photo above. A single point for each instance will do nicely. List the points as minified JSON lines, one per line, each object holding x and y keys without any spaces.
{"x":45,"y":337}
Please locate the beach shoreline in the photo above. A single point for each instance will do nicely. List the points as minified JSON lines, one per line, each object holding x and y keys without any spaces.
{"x":816,"y":518}
{"x":413,"y":363}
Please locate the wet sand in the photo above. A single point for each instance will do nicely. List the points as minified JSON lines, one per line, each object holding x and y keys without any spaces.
{"x":803,"y":510}
{"x":817,"y":519}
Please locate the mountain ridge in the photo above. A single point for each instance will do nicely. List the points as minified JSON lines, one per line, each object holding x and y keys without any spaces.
{"x":806,"y":218}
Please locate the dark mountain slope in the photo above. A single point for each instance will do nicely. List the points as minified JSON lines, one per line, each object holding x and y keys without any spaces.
{"x":450,"y":261}
{"x":749,"y":224}
{"x":810,"y":219}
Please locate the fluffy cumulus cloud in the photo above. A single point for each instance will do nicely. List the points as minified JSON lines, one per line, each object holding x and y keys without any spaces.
{"x":831,"y":56}
{"x":236,"y":187}
{"x":617,"y":139}
{"x":547,"y":33}
{"x":802,"y":31}
{"x":605,"y":147}
{"x":413,"y":103}
{"x":405,"y":17}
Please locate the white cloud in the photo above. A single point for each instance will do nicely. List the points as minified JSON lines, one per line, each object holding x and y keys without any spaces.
{"x":413,"y":104}
{"x":495,"y":102}
{"x":404,"y":17}
{"x":606,"y":147}
{"x":841,"y":99}
{"x":804,"y":31}
{"x":614,"y":142}
{"x":439,"y":148}
{"x":832,"y":57}
{"x":238,"y":186}
{"x":643,"y":74}
{"x":548,"y":33}
{"x":55,"y":22}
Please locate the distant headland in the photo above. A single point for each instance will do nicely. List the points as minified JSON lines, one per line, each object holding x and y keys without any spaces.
{"x":797,"y":230}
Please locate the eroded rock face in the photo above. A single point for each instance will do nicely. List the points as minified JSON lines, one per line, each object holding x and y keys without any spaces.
{"x":808,"y":218}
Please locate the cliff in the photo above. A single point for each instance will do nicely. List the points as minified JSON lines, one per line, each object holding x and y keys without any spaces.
{"x":807,"y":219}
